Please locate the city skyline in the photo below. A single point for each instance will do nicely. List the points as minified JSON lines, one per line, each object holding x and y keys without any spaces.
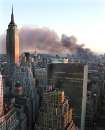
{"x":85,"y":20}
{"x":49,"y":91}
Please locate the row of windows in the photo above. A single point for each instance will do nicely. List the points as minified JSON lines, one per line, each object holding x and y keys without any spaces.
{"x":11,"y":123}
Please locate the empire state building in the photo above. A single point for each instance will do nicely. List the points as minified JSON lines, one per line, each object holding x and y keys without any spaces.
{"x":12,"y":42}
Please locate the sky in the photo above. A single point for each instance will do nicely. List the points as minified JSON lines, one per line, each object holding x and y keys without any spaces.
{"x":84,"y":19}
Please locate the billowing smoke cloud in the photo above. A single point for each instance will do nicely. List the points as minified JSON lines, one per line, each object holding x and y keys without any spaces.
{"x":45,"y":40}
{"x":41,"y":39}
{"x":71,"y":43}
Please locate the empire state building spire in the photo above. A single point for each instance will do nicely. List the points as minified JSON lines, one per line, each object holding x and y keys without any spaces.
{"x":12,"y":17}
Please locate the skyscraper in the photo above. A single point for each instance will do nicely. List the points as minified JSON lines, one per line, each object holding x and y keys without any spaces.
{"x":55,"y":112}
{"x":1,"y":95}
{"x":73,"y":79}
{"x":12,"y":42}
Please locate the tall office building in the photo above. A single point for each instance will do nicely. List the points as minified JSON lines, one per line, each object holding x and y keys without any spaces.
{"x":12,"y":42}
{"x":73,"y":79}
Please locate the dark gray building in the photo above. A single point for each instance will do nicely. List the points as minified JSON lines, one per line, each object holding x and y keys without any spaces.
{"x":72,"y":78}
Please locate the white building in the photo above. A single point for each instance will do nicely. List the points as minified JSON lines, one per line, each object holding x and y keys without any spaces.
{"x":1,"y":95}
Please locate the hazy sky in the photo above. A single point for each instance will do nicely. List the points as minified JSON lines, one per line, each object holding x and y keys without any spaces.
{"x":83,"y":18}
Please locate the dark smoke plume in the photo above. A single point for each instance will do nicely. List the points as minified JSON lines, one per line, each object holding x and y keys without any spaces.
{"x":45,"y":40}
{"x":41,"y":39}
{"x":71,"y":43}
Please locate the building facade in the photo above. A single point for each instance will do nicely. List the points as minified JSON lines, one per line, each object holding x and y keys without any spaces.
{"x":55,"y":112}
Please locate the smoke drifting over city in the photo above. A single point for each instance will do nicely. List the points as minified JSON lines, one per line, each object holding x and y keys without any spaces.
{"x":45,"y":40}
{"x":41,"y":39}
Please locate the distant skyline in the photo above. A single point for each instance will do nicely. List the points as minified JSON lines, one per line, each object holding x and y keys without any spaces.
{"x":84,"y":19}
